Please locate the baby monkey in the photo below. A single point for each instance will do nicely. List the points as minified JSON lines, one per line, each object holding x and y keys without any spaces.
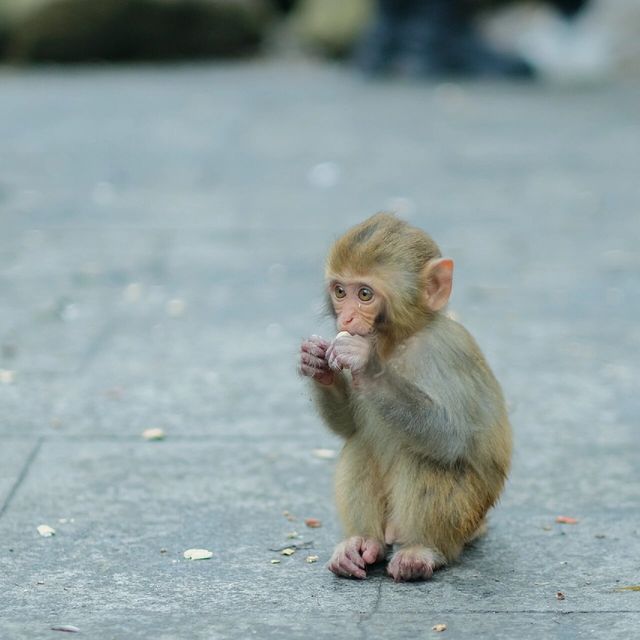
{"x":427,"y":438}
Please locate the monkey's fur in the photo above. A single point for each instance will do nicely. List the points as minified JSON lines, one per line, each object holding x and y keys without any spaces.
{"x":427,"y":438}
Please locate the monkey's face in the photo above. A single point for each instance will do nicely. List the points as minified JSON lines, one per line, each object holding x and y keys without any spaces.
{"x":357,"y":305}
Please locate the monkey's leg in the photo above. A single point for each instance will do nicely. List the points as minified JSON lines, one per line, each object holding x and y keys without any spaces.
{"x":361,"y":504}
{"x":434,"y":512}
{"x":414,"y":562}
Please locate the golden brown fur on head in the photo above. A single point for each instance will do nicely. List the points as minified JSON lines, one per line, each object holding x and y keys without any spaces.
{"x":392,"y":255}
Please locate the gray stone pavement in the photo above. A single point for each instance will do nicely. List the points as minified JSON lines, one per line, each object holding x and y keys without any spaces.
{"x":162,"y":232}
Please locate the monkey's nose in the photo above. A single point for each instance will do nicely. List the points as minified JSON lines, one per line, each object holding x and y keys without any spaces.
{"x":348,"y":325}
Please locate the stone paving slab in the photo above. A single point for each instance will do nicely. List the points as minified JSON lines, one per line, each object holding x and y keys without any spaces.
{"x":116,"y":481}
{"x":351,"y":626}
{"x":117,"y":505}
{"x":550,"y":150}
{"x":521,"y":625}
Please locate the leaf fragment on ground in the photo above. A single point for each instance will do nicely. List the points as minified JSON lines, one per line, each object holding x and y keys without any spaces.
{"x":313,"y":523}
{"x":560,"y":595}
{"x":197,"y":554}
{"x":634,"y":587}
{"x":46,"y":531}
{"x":132,"y":292}
{"x":312,"y":559}
{"x":325,"y":454}
{"x":68,"y":628}
{"x":153,"y":434}
{"x":566,"y":520}
{"x":7,"y":376}
{"x":439,"y":627}
{"x":289,"y":551}
{"x":175,"y":307}
{"x":275,"y":561}
{"x":292,"y":535}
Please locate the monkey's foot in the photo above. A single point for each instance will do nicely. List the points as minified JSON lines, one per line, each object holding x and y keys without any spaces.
{"x":351,"y":557}
{"x":414,"y":563}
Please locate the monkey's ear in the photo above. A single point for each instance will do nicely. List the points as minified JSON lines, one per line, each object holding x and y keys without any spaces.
{"x":439,"y":279}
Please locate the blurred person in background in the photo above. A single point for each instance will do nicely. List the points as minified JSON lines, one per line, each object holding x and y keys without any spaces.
{"x":441,"y":37}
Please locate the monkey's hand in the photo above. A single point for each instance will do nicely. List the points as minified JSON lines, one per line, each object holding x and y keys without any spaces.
{"x":313,"y":360}
{"x":349,"y":352}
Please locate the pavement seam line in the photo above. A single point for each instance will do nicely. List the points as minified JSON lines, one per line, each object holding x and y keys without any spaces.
{"x":376,"y":604}
{"x":23,"y":474}
{"x":368,"y":616}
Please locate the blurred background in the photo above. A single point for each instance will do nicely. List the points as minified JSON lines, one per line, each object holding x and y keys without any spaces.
{"x":428,"y":37}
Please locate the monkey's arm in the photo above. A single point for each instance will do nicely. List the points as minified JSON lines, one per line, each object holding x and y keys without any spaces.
{"x":334,"y":405}
{"x":402,"y":406}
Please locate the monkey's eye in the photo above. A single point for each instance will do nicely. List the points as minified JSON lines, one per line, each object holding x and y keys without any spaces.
{"x":365,"y":294}
{"x":339,"y":292}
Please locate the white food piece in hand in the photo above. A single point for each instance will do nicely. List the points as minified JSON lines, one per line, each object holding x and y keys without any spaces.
{"x":342,"y":334}
{"x":197,"y":554}
{"x":46,"y":531}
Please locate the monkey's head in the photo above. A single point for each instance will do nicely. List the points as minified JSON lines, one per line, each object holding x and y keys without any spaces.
{"x":387,"y":278}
